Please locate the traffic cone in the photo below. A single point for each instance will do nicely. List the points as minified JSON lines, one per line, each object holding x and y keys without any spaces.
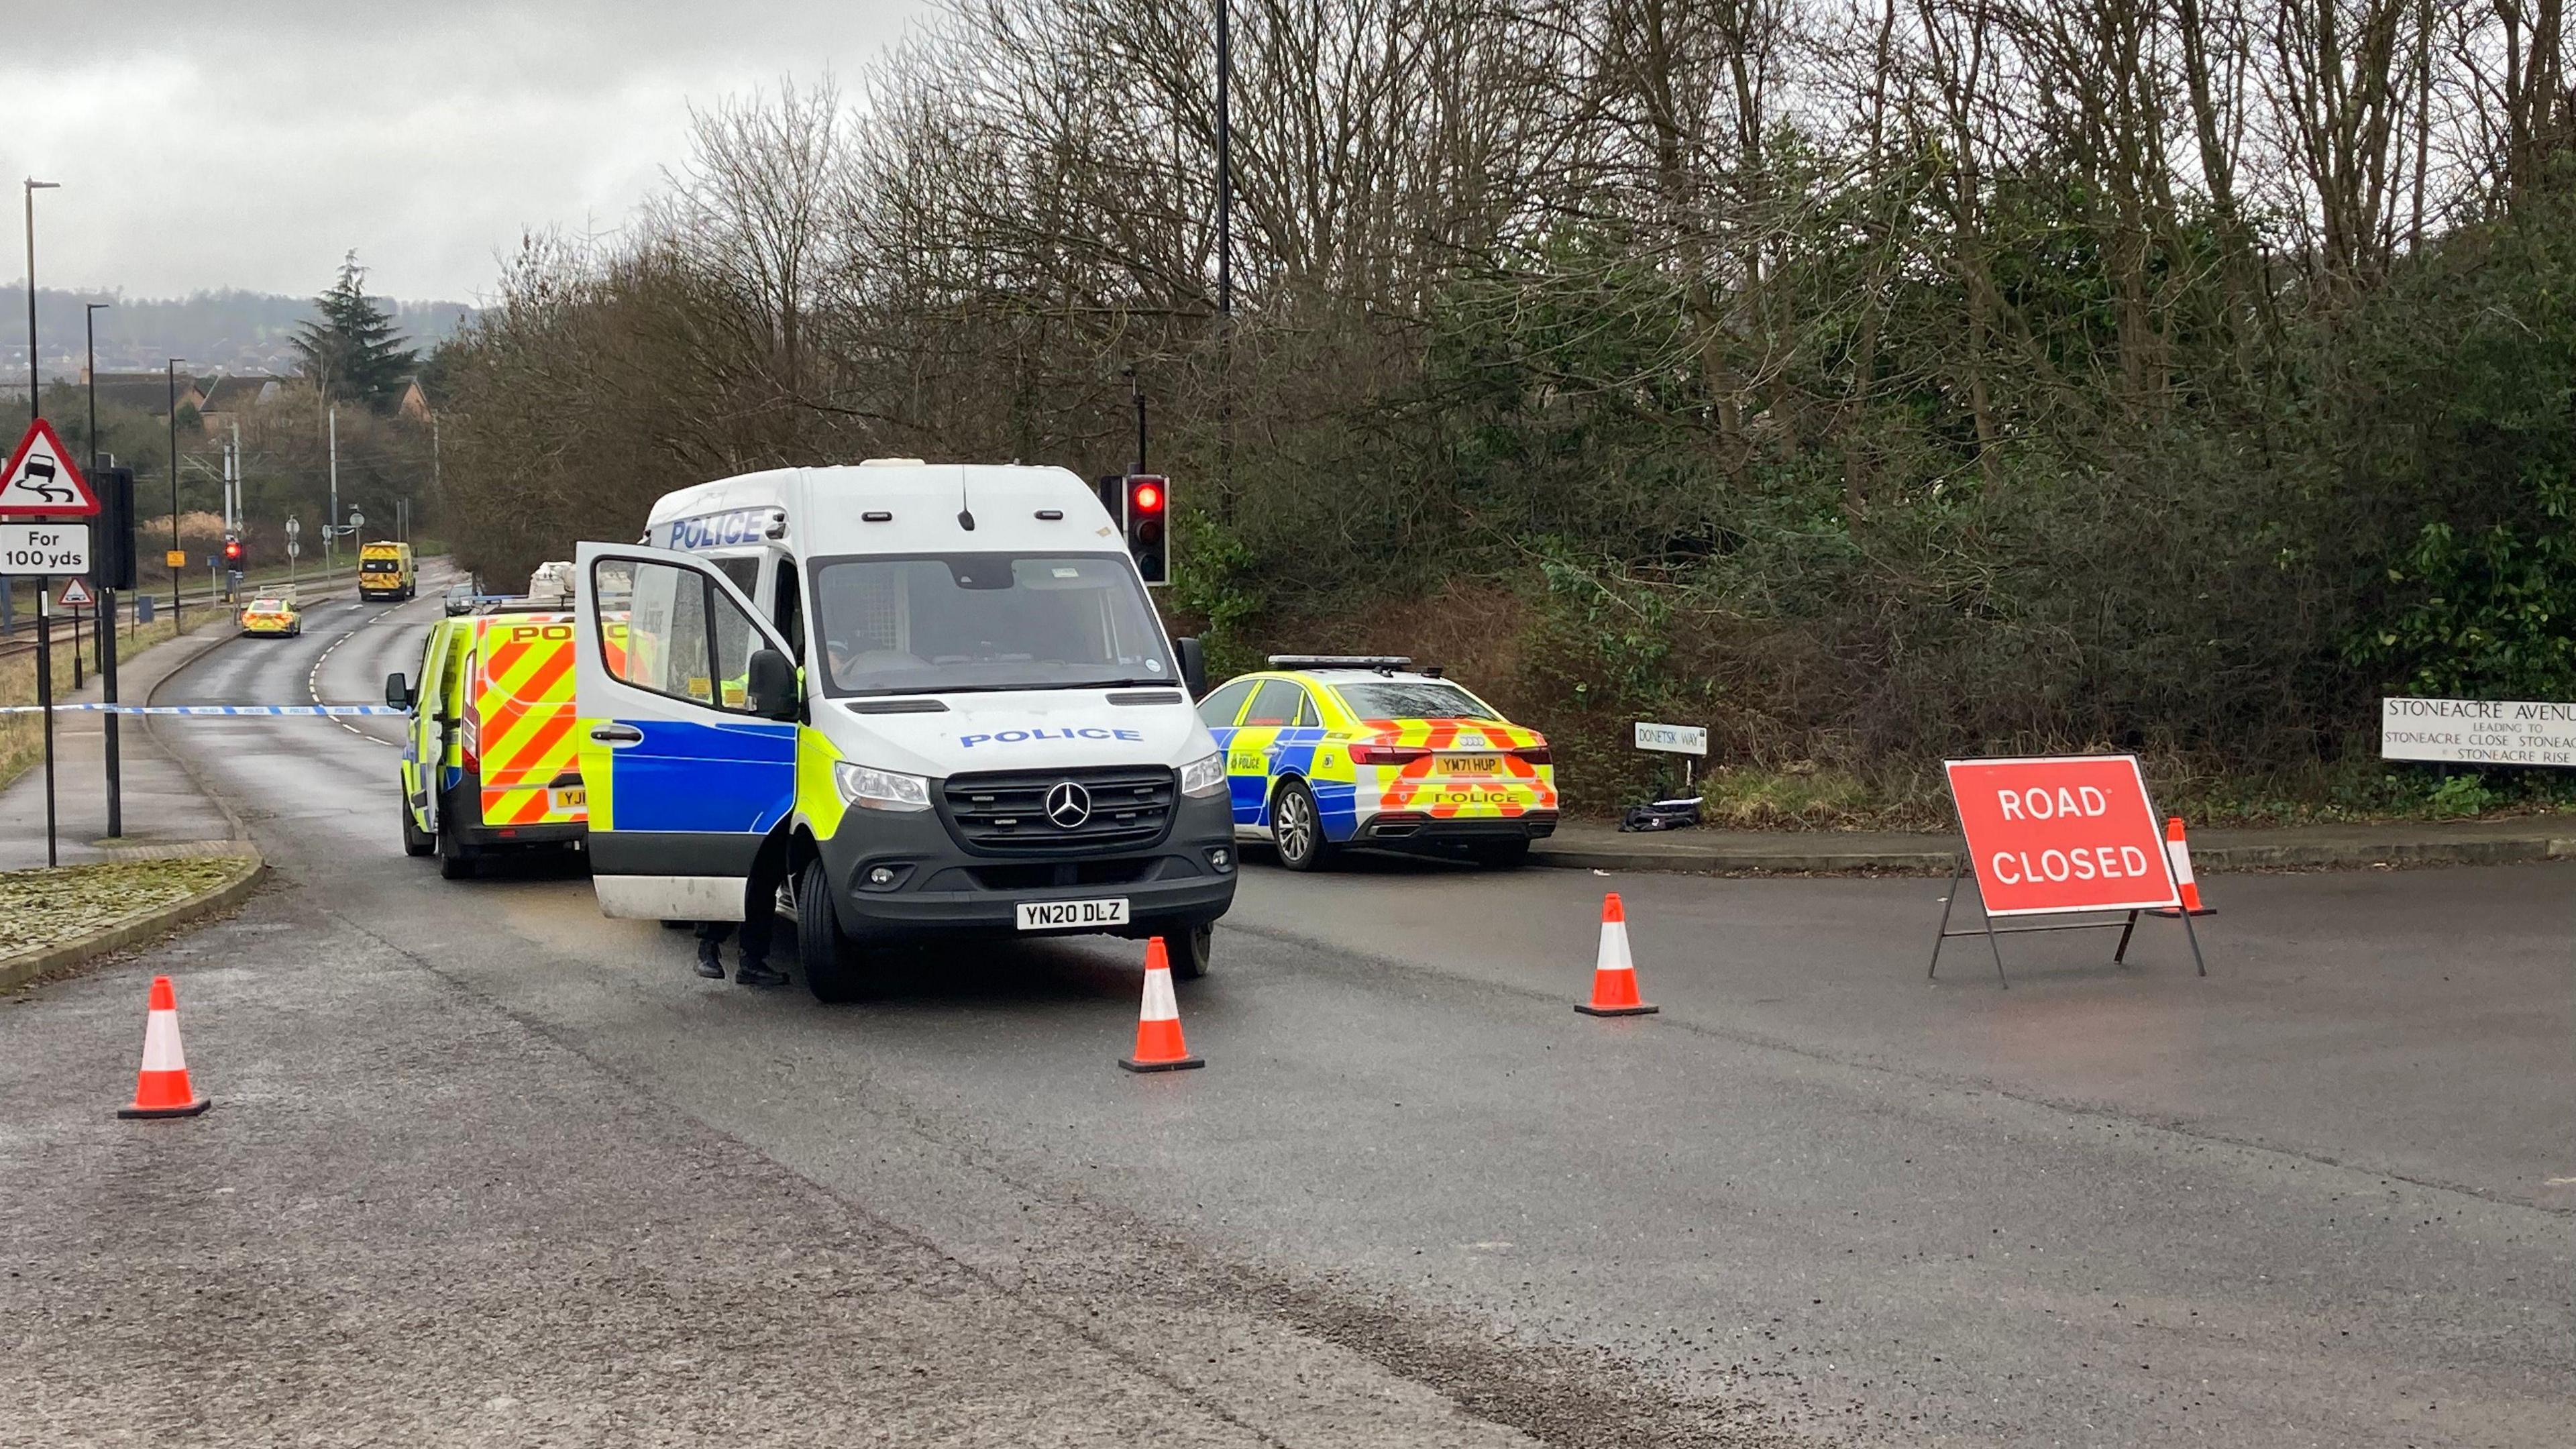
{"x":161,"y":1089}
{"x":2178,"y":852}
{"x":1614,"y":976}
{"x":1159,"y":1047}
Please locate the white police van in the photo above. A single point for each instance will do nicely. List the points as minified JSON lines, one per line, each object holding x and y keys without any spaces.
{"x":935,"y":697}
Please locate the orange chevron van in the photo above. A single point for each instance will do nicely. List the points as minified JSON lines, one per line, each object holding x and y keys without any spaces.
{"x":488,"y":761}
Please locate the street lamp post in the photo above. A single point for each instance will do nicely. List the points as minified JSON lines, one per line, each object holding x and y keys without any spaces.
{"x":35,"y":408}
{"x":174,"y":494}
{"x":103,"y":617}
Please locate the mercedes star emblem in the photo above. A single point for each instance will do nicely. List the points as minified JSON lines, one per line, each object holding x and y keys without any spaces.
{"x":1068,"y":804}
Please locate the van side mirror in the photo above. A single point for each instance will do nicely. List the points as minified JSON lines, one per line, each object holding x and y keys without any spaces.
{"x":1193,"y":665}
{"x":398,"y":691}
{"x":769,"y":685}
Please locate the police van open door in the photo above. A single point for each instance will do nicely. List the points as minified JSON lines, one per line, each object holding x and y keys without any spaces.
{"x":687,"y":725}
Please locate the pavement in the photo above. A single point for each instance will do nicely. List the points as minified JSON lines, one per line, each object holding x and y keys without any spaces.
{"x":163,"y":809}
{"x":1596,"y":845}
{"x":487,"y":1167}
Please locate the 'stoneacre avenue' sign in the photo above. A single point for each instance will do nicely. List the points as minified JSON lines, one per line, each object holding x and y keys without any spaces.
{"x":2478,"y":731}
{"x":2064,"y":833}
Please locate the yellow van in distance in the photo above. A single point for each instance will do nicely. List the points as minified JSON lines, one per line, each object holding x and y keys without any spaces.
{"x":386,"y":571}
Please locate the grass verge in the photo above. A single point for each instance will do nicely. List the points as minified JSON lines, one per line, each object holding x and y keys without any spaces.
{"x":40,"y":909}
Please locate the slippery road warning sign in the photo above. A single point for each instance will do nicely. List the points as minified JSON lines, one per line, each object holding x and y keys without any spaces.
{"x":2071,"y":833}
{"x":42,"y":481}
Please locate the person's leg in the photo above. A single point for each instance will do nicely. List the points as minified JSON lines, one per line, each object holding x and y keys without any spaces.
{"x":711,"y":934}
{"x":759,"y":924}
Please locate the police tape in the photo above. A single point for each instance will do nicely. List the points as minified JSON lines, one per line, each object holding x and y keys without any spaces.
{"x":333,"y":710}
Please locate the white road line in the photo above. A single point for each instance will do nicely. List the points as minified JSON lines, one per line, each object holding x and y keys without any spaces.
{"x":313,"y":683}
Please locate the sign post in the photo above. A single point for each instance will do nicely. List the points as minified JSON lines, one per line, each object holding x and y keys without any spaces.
{"x":43,"y":482}
{"x":2059,"y":836}
{"x":76,"y":597}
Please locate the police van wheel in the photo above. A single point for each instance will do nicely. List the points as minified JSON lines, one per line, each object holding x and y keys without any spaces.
{"x":455,"y":859}
{"x":1297,"y":828}
{"x":1189,"y":948}
{"x":833,"y":970}
{"x":416,"y":841}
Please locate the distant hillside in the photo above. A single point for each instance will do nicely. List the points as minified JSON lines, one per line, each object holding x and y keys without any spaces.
{"x":229,"y":331}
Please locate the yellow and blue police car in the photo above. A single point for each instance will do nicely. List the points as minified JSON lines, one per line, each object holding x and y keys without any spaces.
{"x":273,"y":614}
{"x":1327,"y":751}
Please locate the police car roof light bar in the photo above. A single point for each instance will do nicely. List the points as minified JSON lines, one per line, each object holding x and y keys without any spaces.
{"x":1382,"y":663}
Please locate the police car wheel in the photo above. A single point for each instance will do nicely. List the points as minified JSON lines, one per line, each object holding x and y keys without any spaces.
{"x":833,"y":969}
{"x":1297,"y":827}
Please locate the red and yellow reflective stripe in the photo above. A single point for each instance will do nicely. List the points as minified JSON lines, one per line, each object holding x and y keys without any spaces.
{"x":524,"y":704}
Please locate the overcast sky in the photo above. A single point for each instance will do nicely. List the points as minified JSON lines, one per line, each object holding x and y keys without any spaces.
{"x":251,"y":145}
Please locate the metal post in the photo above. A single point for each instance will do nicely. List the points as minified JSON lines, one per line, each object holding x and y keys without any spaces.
{"x":1224,"y":158}
{"x":1225,"y":247}
{"x":1947,"y":901}
{"x":35,"y":408}
{"x":45,"y":705}
{"x":103,"y":627}
{"x":175,"y":626}
{"x":331,"y":520}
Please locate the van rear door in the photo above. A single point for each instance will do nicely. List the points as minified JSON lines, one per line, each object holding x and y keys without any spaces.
{"x":685,"y":784}
{"x":524,"y":725}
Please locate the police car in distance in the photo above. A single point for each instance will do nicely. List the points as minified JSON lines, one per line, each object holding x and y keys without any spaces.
{"x":274,"y":615}
{"x":1323,"y":752}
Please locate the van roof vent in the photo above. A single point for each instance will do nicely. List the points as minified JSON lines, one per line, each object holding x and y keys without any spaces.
{"x":893,"y":463}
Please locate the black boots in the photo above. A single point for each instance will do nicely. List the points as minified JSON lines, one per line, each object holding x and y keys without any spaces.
{"x":758,"y":973}
{"x":708,"y":965}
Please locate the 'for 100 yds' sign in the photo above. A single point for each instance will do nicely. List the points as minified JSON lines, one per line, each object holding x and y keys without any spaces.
{"x":44,"y":548}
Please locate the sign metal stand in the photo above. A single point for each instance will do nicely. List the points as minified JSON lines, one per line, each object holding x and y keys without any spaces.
{"x":1962,"y":870}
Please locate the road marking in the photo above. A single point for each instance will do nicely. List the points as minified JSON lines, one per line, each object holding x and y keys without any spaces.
{"x":2561,"y":1182}
{"x":313,"y":678}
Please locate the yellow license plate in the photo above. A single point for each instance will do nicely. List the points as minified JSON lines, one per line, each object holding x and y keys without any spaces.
{"x":1471,"y":764}
{"x":567,"y":797}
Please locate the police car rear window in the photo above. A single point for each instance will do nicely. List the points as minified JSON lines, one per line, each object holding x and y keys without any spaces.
{"x":1413,"y":699}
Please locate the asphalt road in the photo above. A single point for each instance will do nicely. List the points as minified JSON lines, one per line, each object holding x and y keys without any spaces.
{"x":488,"y":1166}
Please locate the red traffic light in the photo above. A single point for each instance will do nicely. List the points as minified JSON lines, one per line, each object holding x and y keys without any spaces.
{"x":1146,"y":495}
{"x":232,"y":550}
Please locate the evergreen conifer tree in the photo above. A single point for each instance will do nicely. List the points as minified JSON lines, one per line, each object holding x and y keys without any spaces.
{"x":350,"y":351}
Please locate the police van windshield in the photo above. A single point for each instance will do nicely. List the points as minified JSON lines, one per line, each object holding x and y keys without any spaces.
{"x":984,"y":621}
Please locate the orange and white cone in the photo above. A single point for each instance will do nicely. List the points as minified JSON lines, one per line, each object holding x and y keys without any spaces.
{"x":2178,"y":854}
{"x":1159,"y":1047}
{"x":161,"y":1089}
{"x":1614,"y":974}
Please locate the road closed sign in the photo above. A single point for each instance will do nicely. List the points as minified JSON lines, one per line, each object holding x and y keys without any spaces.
{"x":2067,"y":833}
